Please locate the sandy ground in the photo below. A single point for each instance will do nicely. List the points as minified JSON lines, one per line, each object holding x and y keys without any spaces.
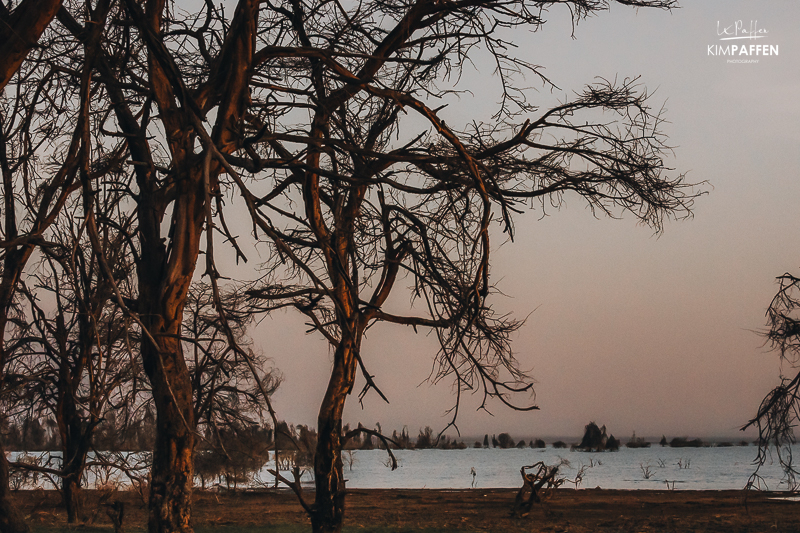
{"x":586,"y":510}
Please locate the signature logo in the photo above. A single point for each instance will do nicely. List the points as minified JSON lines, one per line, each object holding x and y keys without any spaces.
{"x":741,"y":52}
{"x":738,"y":30}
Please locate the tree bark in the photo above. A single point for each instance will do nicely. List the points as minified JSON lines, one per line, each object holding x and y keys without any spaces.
{"x":327,"y":514}
{"x":164,"y":281}
{"x":20,"y":31}
{"x":73,"y":499}
{"x":75,"y":448}
{"x":11,"y":520}
{"x":172,"y":472}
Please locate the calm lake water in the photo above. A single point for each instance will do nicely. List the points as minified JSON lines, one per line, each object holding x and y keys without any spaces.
{"x":713,"y":468}
{"x":684,"y":468}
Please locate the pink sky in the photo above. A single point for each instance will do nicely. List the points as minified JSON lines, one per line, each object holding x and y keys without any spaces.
{"x":637,"y":332}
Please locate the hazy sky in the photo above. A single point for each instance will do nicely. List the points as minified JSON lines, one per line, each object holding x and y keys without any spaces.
{"x":634,"y":331}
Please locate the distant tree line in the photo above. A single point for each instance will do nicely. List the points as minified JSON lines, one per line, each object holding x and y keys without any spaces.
{"x":595,"y":439}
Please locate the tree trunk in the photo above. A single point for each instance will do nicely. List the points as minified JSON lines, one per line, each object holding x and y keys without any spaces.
{"x":73,"y":499}
{"x":172,"y":471}
{"x":74,"y":440}
{"x":328,"y":510}
{"x":11,"y":520}
{"x":75,"y":447}
{"x":171,"y":476}
{"x":164,"y":281}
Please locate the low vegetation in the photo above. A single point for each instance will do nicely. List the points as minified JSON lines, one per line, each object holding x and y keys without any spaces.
{"x":595,"y":439}
{"x":684,"y":442}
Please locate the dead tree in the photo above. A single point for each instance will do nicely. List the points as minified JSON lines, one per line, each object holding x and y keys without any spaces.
{"x":540,"y":476}
{"x":76,"y":355}
{"x":350,"y":210}
{"x":309,"y":97}
{"x":40,"y":106}
{"x":229,"y":398}
{"x":778,"y":413}
{"x":157,"y":104}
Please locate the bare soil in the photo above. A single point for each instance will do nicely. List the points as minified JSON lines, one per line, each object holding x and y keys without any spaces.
{"x":581,"y":511}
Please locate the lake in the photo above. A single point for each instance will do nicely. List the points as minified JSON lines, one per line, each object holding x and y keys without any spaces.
{"x":713,"y":468}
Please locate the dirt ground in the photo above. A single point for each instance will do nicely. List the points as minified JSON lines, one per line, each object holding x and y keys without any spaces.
{"x":581,"y":511}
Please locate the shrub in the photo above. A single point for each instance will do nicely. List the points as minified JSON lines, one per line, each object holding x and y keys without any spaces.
{"x":425,"y":439}
{"x":684,"y":442}
{"x":504,"y":440}
{"x":594,"y":438}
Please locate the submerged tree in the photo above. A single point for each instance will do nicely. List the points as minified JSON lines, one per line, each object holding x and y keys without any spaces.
{"x":594,"y":438}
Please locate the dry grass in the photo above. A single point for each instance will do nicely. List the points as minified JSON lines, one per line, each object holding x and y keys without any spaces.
{"x":436,"y":511}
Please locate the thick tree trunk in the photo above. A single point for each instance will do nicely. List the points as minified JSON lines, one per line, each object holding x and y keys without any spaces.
{"x":328,"y":510}
{"x":11,"y":520}
{"x":172,"y":472}
{"x":75,"y":447}
{"x":73,"y":499}
{"x":164,"y":281}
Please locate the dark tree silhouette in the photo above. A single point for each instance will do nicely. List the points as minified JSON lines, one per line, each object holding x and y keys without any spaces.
{"x":594,"y":438}
{"x":155,"y":105}
{"x":358,"y":199}
{"x":229,"y":401}
{"x":778,"y":413}
{"x":505,"y":440}
{"x":42,"y":105}
{"x":76,"y":357}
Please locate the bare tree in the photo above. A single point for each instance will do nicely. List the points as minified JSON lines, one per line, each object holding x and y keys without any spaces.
{"x":78,"y":357}
{"x":779,"y":412}
{"x":229,"y":399}
{"x":138,"y":72}
{"x":40,"y":107}
{"x":360,"y":202}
